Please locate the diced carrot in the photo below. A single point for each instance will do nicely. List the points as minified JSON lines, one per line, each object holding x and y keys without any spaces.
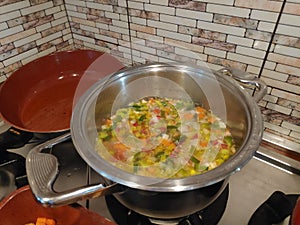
{"x":108,"y":122}
{"x":119,"y":151}
{"x":167,"y":110}
{"x":151,"y":100}
{"x":211,"y":119}
{"x":41,"y":221}
{"x":166,"y":142}
{"x":188,"y":116}
{"x":200,"y":109}
{"x":203,"y":143}
{"x":120,"y":146}
{"x":201,"y":115}
{"x":156,"y":111}
{"x":200,"y":112}
{"x":50,"y":222}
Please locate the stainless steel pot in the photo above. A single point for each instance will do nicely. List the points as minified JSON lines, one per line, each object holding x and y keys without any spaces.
{"x":155,"y":197}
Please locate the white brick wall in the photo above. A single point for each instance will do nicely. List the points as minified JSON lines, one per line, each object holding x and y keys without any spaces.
{"x":221,"y":33}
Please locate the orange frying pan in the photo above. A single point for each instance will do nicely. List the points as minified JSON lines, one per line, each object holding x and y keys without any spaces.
{"x":39,"y":96}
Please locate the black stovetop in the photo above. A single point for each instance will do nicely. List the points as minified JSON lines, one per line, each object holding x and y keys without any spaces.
{"x":247,"y":190}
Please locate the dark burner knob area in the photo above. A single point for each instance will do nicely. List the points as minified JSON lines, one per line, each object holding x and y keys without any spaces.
{"x":210,"y":215}
{"x":14,"y":138}
{"x":12,"y":172}
{"x":227,"y":209}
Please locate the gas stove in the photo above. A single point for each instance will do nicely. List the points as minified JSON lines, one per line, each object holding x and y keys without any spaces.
{"x":266,"y":176}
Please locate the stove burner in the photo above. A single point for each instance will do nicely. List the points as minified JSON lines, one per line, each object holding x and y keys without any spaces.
{"x":14,"y":138}
{"x":12,"y":172}
{"x":210,"y":215}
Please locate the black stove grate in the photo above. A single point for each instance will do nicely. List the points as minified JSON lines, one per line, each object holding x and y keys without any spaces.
{"x":211,"y":215}
{"x":12,"y":172}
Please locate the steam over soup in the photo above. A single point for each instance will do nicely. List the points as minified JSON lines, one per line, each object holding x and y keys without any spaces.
{"x":165,"y":138}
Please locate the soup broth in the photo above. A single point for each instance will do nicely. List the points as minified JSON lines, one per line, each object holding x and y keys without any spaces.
{"x":165,"y":138}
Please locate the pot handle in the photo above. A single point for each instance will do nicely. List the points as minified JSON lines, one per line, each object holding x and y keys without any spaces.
{"x":247,"y":80}
{"x":42,"y":170}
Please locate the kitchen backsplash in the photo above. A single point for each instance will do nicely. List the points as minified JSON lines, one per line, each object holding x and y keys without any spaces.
{"x":261,"y":37}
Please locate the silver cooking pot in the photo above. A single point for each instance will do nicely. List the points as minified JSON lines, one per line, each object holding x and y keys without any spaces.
{"x":151,"y":196}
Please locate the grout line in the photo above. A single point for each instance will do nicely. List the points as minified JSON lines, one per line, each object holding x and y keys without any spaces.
{"x":129,"y":29}
{"x":68,"y":18}
{"x":271,"y":40}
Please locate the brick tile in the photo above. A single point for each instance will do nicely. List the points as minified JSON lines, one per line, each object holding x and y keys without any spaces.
{"x":36,"y":8}
{"x":194,"y":14}
{"x":228,"y":10}
{"x":239,"y":40}
{"x":160,"y":9}
{"x":221,"y":28}
{"x":14,"y":6}
{"x":292,"y":8}
{"x":286,"y":29}
{"x":282,"y":85}
{"x":267,"y":5}
{"x":264,"y":15}
{"x":149,"y":30}
{"x":177,"y":20}
{"x":244,"y":59}
{"x":20,"y":57}
{"x":174,"y":35}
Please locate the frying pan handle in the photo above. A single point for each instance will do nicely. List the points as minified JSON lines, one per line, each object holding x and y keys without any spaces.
{"x":247,"y":80}
{"x":42,"y":170}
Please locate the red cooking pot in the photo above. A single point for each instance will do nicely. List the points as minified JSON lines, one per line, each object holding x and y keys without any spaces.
{"x":295,"y":218}
{"x":20,"y":207}
{"x":39,"y":96}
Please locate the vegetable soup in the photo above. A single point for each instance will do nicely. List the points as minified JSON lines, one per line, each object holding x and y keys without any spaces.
{"x":165,"y":138}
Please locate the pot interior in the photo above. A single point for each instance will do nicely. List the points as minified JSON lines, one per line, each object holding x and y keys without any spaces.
{"x":203,"y":88}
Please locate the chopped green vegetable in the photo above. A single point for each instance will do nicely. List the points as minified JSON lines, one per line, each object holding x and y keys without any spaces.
{"x":142,"y":117}
{"x":228,"y":140}
{"x":194,"y":160}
